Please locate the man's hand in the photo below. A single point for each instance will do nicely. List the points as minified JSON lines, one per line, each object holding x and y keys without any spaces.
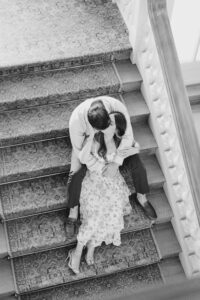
{"x":129,"y":151}
{"x":110,"y":170}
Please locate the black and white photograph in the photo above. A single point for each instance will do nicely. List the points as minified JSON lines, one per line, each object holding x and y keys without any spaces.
{"x":99,"y":150}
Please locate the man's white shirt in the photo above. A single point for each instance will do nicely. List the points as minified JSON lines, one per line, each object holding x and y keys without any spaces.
{"x":81,"y":131}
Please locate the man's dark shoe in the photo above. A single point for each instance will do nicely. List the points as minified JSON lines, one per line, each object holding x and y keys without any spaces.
{"x":146,"y":206}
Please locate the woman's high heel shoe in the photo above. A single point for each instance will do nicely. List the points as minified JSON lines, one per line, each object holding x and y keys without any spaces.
{"x":69,"y":257}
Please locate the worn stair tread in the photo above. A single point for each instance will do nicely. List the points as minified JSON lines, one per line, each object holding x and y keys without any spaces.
{"x":51,"y":156}
{"x":68,"y":29}
{"x":193,"y":93}
{"x":58,"y":86}
{"x":166,"y":240}
{"x":7,"y":286}
{"x":51,"y":121}
{"x":196,"y":118}
{"x":172,"y":270}
{"x":49,"y":193}
{"x":107,"y":287}
{"x":50,"y":268}
{"x":46,"y":231}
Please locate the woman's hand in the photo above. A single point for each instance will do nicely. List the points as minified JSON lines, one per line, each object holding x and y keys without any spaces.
{"x":128,"y":151}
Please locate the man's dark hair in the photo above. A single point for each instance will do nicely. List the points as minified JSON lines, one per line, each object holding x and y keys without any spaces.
{"x":98,"y":115}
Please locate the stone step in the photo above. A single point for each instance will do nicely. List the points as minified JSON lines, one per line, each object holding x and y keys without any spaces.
{"x":3,"y":242}
{"x":37,"y":271}
{"x":116,"y":285}
{"x":50,"y":268}
{"x":51,"y":121}
{"x":48,"y":193}
{"x":196,"y":118}
{"x":172,"y":270}
{"x":194,"y":93}
{"x":167,"y":271}
{"x":164,"y":233}
{"x":60,"y":34}
{"x":108,"y":287}
{"x":47,"y":231}
{"x":63,"y":85}
{"x":54,"y":271}
{"x":52,"y":156}
{"x":7,"y":285}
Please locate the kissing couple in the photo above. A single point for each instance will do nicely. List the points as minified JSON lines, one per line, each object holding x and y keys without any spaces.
{"x":105,"y":170}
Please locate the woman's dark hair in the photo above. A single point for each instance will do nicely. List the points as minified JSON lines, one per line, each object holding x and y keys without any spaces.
{"x":98,"y":115}
{"x":121,"y":125}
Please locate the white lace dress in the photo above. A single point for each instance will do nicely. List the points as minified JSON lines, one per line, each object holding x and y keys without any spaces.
{"x":103,"y":203}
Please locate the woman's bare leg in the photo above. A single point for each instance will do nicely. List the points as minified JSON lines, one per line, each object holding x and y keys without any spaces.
{"x":74,"y":263}
{"x":90,"y":254}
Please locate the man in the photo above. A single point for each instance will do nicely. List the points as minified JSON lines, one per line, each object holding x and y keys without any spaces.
{"x":88,"y":119}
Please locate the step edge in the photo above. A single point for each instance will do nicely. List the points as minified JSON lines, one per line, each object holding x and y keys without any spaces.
{"x":97,"y":57}
{"x":176,"y":249}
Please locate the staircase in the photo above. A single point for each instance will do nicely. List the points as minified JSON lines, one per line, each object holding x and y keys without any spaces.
{"x":76,"y":50}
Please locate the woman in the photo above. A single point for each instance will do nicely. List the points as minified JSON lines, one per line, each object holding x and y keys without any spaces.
{"x":103,"y":200}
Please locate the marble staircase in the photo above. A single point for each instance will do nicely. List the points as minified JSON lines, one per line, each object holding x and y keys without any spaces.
{"x":82,"y":51}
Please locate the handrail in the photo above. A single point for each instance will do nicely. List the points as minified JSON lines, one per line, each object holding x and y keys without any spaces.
{"x":177,"y":94}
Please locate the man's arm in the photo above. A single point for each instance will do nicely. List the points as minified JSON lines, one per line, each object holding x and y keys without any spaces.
{"x":77,"y":136}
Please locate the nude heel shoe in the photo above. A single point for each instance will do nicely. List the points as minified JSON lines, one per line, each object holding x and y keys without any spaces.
{"x":69,"y":258}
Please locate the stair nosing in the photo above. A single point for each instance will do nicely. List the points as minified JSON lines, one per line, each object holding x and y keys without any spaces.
{"x":97,"y":56}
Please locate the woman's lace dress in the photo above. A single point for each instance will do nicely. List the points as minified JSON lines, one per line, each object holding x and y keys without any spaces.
{"x":103,"y":203}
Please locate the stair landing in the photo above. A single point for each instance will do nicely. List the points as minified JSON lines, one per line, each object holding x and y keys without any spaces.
{"x":44,"y":31}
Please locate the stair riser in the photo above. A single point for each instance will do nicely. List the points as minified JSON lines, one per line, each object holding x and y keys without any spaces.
{"x":139,"y":119}
{"x":65,"y":64}
{"x":195,"y":100}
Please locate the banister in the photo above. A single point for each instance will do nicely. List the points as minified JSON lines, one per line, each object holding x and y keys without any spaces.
{"x":177,"y":94}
